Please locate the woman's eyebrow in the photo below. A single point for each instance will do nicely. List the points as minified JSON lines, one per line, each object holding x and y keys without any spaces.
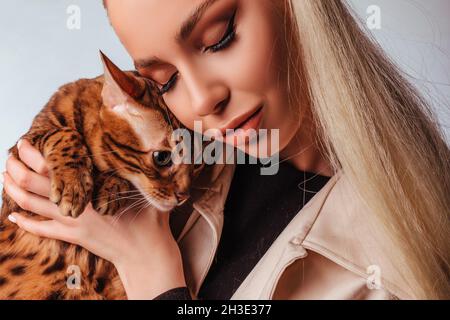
{"x":187,"y":27}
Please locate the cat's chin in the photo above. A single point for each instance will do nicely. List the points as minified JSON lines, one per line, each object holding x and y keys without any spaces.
{"x":162,"y":207}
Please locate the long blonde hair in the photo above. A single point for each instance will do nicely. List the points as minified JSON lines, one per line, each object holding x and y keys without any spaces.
{"x":373,"y":125}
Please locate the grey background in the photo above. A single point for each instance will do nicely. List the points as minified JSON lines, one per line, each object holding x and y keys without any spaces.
{"x":38,"y":53}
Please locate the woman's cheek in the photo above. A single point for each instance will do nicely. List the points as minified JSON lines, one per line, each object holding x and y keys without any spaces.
{"x":178,"y":103}
{"x":256,"y":56}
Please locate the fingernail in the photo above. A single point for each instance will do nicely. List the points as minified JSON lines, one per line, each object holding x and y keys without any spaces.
{"x":12,"y":219}
{"x":19,"y":144}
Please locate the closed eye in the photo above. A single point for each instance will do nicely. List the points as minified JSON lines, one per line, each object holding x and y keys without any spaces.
{"x":169,"y":84}
{"x":224,"y":43}
{"x":227,"y":39}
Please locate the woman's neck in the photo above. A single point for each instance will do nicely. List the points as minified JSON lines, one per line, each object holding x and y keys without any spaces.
{"x":303,"y":151}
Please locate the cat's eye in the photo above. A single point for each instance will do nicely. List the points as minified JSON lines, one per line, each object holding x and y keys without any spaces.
{"x":162,"y":158}
{"x":226,"y":41}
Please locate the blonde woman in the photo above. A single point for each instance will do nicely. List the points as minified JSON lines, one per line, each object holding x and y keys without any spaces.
{"x":360,"y":208}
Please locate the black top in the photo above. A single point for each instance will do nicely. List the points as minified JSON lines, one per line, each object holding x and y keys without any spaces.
{"x":257,"y":210}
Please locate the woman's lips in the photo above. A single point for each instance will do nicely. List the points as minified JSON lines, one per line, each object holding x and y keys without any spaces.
{"x":250,"y":122}
{"x":253,"y":121}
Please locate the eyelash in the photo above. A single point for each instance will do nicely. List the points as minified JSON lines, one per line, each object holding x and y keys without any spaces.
{"x":221,"y":45}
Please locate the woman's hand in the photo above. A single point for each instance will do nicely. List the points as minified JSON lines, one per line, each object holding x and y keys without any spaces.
{"x":138,"y":242}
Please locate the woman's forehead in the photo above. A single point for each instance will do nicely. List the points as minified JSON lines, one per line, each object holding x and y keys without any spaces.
{"x":145,"y":26}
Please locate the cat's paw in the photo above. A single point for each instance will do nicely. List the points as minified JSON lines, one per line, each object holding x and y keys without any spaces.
{"x":112,"y":194}
{"x":71,"y":190}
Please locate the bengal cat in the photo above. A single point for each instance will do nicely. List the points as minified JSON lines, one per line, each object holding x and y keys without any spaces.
{"x":100,"y":138}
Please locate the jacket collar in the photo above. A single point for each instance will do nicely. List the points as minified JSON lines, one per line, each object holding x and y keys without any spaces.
{"x":201,"y":234}
{"x":207,"y":180}
{"x":334,"y":223}
{"x":346,"y":232}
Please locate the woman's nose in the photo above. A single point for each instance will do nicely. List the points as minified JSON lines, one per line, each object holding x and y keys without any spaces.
{"x":208,"y":96}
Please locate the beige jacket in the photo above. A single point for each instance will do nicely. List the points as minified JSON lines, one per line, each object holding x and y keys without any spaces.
{"x":326,"y":252}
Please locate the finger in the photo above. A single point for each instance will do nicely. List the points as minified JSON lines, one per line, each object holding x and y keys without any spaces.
{"x":32,"y":157}
{"x":30,"y":202}
{"x":26,"y":178}
{"x":44,"y":228}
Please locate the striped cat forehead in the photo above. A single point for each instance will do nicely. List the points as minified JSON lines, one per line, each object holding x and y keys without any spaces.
{"x":149,"y":125}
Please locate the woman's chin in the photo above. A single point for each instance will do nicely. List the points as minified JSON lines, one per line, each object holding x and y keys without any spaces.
{"x":261,"y":147}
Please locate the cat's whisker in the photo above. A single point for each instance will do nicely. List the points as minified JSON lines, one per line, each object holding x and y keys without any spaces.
{"x":97,"y":154}
{"x":140,"y":210}
{"x":118,"y":199}
{"x":133,"y":205}
{"x":114,"y":171}
{"x":129,"y":191}
{"x":117,"y":194}
{"x":136,"y":203}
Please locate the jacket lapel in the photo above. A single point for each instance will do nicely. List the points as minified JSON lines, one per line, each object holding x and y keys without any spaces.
{"x":261,"y":281}
{"x":333,"y":223}
{"x":201,"y":235}
{"x":346,"y":233}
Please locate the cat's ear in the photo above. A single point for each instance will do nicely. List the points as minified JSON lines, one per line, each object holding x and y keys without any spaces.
{"x":119,"y":86}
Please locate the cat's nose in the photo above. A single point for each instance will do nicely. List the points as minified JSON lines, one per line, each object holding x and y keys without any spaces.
{"x":182,"y":196}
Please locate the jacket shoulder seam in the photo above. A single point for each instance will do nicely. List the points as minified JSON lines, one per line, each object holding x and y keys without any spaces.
{"x":387,"y":285}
